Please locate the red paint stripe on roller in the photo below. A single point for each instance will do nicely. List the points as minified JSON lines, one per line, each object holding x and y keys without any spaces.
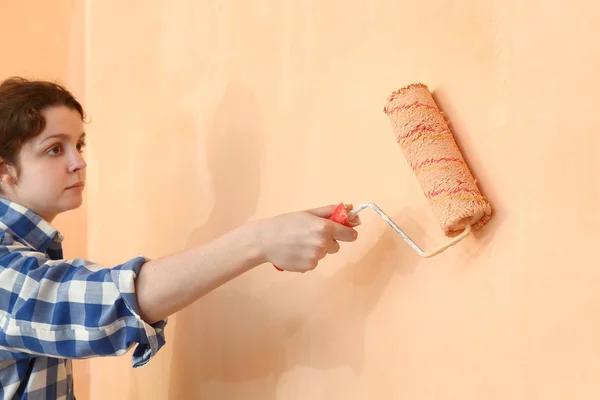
{"x":434,"y":193}
{"x":418,"y":128}
{"x":433,"y":161}
{"x":416,"y":104}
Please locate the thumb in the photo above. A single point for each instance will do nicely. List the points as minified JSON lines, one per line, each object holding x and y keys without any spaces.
{"x":326,"y":211}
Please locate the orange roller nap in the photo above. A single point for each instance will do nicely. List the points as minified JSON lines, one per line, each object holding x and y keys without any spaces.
{"x":431,"y":151}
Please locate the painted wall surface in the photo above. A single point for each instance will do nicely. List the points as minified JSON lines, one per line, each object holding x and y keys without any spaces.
{"x":208,"y":114}
{"x":46,"y":40}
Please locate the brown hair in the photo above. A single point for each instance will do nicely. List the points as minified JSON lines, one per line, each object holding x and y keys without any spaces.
{"x":22,"y":102}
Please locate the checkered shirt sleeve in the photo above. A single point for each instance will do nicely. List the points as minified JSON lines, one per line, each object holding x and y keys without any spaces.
{"x":70,"y":308}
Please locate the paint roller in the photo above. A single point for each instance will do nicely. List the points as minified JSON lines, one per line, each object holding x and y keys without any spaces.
{"x":432,"y":153}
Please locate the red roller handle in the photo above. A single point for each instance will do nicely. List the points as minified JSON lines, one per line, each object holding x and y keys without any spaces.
{"x":340,"y":215}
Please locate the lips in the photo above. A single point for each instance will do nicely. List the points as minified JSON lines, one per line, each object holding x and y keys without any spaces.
{"x":78,"y":184}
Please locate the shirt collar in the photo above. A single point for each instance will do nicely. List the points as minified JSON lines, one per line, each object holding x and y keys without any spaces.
{"x":28,"y":226}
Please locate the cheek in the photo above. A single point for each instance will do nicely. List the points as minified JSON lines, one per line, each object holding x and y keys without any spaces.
{"x":40,"y":179}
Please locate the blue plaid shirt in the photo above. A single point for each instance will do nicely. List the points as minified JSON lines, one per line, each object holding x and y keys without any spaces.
{"x":53,"y":310}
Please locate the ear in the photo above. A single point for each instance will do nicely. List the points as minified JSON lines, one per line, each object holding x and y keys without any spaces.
{"x":8,"y":173}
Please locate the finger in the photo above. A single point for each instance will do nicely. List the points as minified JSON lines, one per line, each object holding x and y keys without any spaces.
{"x":344,"y":233}
{"x":322,"y":253}
{"x":334,"y":247}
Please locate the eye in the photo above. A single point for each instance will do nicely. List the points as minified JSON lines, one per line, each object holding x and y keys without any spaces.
{"x":80,"y":146}
{"x":54,"y":150}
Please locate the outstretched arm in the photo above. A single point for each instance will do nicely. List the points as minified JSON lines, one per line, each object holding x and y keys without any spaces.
{"x":294,"y":241}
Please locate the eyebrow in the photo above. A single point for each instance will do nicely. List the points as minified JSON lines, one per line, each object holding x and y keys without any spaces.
{"x":62,"y":136}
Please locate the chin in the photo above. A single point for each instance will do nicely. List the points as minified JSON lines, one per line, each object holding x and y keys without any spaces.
{"x":76,"y":204}
{"x":71,"y":204}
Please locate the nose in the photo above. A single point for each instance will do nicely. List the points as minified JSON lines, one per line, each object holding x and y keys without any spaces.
{"x":77,"y":162}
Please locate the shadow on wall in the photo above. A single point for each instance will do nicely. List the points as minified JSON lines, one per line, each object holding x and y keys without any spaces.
{"x":232,"y":336}
{"x":205,"y":329}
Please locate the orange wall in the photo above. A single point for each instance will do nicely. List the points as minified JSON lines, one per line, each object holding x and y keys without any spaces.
{"x":208,"y":114}
{"x":47,"y":41}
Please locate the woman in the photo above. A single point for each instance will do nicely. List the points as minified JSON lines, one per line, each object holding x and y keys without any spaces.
{"x":53,"y":309}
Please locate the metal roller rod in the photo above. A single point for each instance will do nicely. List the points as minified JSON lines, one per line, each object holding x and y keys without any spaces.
{"x":408,"y":240}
